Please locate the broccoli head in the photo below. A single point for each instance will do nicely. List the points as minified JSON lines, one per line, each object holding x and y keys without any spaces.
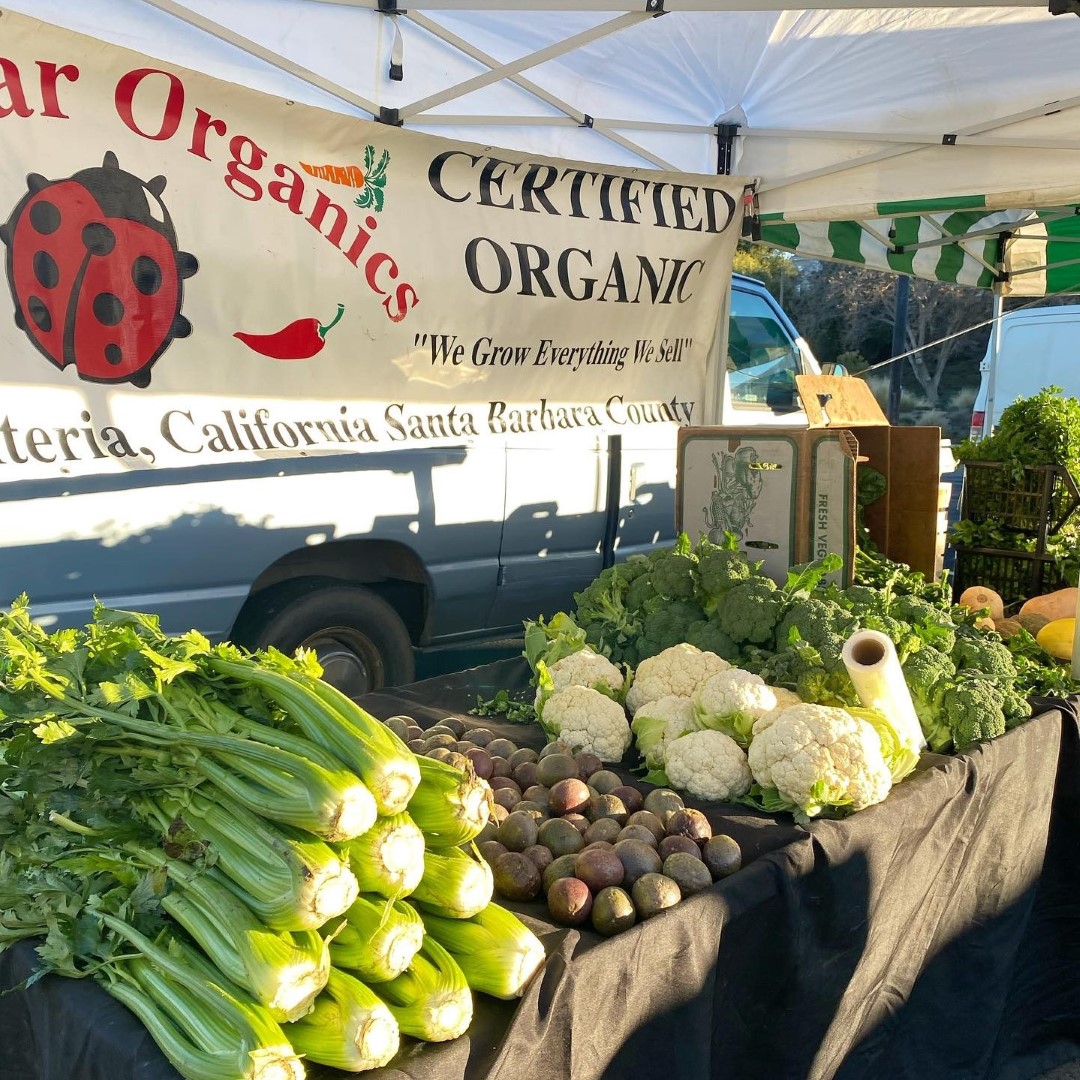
{"x":861,"y":599}
{"x":667,"y":626}
{"x":823,"y":623}
{"x":672,"y":574}
{"x":720,"y":569}
{"x":800,"y":667}
{"x":974,"y":706}
{"x":750,"y":611}
{"x":928,"y":673}
{"x":602,"y":602}
{"x":708,"y":637}
{"x":870,"y":485}
{"x":639,"y":592}
{"x":975,"y":651}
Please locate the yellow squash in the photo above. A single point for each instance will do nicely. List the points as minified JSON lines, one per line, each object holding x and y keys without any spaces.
{"x":1057,"y":638}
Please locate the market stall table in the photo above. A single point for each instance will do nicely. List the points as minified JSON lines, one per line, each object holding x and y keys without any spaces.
{"x":934,"y":935}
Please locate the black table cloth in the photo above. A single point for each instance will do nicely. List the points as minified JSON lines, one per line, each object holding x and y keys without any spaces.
{"x":935,"y":935}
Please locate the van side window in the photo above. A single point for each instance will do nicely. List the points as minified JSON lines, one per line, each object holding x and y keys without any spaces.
{"x":762,"y":359}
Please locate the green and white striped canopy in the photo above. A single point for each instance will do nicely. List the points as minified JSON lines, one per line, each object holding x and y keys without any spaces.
{"x":1017,"y":252}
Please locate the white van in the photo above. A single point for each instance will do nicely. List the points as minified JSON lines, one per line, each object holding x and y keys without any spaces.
{"x":1040,"y":347}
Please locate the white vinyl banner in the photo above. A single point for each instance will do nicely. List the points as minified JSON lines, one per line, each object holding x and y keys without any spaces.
{"x":199,"y":272}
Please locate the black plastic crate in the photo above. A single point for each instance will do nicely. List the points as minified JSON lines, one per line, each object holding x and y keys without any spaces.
{"x":1015,"y":576}
{"x":1034,"y":500}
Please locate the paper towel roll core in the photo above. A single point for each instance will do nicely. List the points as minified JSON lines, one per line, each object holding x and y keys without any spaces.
{"x":871,"y":662}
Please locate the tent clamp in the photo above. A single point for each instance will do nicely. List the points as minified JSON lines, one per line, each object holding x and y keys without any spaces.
{"x":586,"y":121}
{"x":948,"y":140}
{"x":751,"y":224}
{"x":391,"y":7}
{"x":390,"y":117}
{"x":655,"y":7}
{"x":725,"y":148}
{"x":1064,"y":7}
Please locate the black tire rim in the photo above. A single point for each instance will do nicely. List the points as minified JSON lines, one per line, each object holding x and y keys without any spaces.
{"x":350,"y":659}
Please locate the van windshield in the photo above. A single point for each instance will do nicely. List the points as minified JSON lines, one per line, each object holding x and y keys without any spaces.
{"x":762,"y":359}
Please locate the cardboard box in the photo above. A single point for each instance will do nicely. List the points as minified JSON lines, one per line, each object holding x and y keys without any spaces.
{"x":789,"y":493}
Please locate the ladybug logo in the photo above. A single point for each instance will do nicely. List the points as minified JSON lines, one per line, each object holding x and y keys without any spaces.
{"x":95,"y":272}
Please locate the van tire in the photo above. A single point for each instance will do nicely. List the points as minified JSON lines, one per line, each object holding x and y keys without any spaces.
{"x":359,"y":638}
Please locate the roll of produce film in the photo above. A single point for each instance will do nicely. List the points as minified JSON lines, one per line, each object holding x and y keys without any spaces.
{"x":874,"y":667}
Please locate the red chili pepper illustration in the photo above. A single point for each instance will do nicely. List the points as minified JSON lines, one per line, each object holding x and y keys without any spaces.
{"x":297,"y":341}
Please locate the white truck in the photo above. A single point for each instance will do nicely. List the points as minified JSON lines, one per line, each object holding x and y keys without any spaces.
{"x":297,"y":379}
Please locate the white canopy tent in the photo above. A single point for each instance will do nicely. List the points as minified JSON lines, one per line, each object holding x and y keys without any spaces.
{"x":938,"y":141}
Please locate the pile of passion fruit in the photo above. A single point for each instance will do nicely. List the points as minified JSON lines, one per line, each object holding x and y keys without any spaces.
{"x":599,"y":850}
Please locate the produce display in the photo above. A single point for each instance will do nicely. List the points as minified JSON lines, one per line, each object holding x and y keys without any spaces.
{"x":251,"y":863}
{"x":600,"y":851}
{"x":737,"y":689}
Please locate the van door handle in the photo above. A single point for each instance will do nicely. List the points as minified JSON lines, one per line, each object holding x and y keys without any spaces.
{"x":632,"y":493}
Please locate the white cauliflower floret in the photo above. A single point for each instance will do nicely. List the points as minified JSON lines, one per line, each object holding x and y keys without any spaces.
{"x":784,"y":700}
{"x":816,"y":756}
{"x":708,"y":765}
{"x":731,"y":701}
{"x":677,"y":671}
{"x":583,"y":668}
{"x":658,"y":723}
{"x":588,"y":721}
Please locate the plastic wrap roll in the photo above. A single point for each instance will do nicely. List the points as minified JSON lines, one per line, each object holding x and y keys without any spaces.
{"x":874,"y":667}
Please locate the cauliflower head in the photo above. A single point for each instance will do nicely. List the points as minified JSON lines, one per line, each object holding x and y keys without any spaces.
{"x":784,"y":700}
{"x":588,"y":721}
{"x":731,"y":701}
{"x":677,"y":671}
{"x":818,"y":757}
{"x":708,"y":765}
{"x":582,"y":668}
{"x":659,"y":723}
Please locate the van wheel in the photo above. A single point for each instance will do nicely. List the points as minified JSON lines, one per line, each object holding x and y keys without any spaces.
{"x":359,"y":639}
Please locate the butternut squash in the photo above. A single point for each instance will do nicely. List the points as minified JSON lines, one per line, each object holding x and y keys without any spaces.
{"x":1055,"y":605}
{"x":978,"y":597}
{"x":1057,"y":637}
{"x":1007,"y":627}
{"x":1032,"y":623}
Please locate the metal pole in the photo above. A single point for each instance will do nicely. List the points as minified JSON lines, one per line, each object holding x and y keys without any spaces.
{"x":995,"y":352}
{"x":899,"y":341}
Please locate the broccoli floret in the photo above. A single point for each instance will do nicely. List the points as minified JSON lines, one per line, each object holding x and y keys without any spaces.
{"x":974,"y":708}
{"x":975,"y":651}
{"x":1014,"y":705}
{"x":863,"y":598}
{"x":800,"y":667}
{"x":667,"y":626}
{"x":640,"y":591}
{"x":750,"y":611}
{"x":719,"y":570}
{"x":601,"y":602}
{"x":633,"y":568}
{"x":928,"y":673}
{"x":672,"y":575}
{"x":931,"y":621}
{"x":707,"y":636}
{"x":870,"y":485}
{"x":822,"y":623}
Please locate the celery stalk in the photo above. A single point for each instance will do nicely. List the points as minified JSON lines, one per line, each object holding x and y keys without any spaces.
{"x":350,"y":1027}
{"x":450,"y":806}
{"x":497,"y":952}
{"x":454,"y":884}
{"x":389,"y":858}
{"x":377,"y":939}
{"x":430,"y":1001}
